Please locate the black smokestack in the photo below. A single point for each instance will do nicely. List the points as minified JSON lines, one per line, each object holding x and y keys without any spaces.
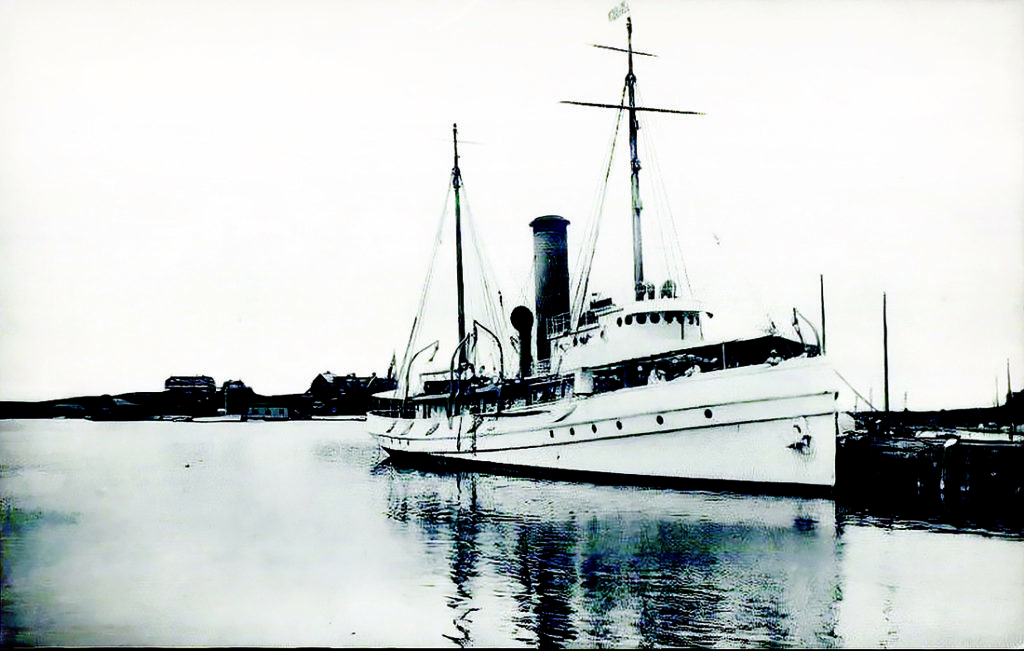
{"x":522,"y":321}
{"x":551,"y":276}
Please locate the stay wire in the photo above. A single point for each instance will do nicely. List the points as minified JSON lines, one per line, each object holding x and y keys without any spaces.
{"x":424,"y":292}
{"x":590,"y":246}
{"x":675,"y":260}
{"x":490,"y":309}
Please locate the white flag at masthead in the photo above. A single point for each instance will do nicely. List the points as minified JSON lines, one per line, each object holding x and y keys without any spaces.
{"x":621,"y":9}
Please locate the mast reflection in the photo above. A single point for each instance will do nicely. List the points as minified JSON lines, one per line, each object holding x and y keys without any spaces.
{"x":577,"y":564}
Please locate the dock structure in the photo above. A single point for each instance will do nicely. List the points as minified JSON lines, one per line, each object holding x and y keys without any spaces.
{"x":965,"y":465}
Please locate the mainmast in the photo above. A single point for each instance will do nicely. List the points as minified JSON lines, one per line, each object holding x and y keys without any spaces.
{"x":456,"y":184}
{"x":634,"y":127}
{"x":634,"y":165}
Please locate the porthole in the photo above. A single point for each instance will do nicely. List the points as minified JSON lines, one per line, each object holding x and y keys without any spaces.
{"x":668,"y":318}
{"x":618,"y":321}
{"x":707,"y":413}
{"x":629,"y":319}
{"x":575,"y":341}
{"x":660,"y":419}
{"x":641,"y":318}
{"x":572,"y":431}
{"x":655,"y":318}
{"x":551,"y":433}
{"x":618,"y":424}
{"x":593,"y":428}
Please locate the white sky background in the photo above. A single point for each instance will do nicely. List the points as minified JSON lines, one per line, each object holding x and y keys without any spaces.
{"x":250,"y":189}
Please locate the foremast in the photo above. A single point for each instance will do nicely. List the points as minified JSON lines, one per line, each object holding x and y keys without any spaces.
{"x":459,"y":279}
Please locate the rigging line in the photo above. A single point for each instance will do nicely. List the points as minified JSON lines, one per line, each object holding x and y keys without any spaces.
{"x":589,"y":239}
{"x":585,"y":239}
{"x":858,"y":394}
{"x":590,"y":236}
{"x":417,"y":321}
{"x":654,"y":183}
{"x":674,"y":253}
{"x":487,"y":277}
{"x":489,"y":281}
{"x":586,"y":235}
{"x":658,"y":214}
{"x":670,"y":246}
{"x":583,"y":281}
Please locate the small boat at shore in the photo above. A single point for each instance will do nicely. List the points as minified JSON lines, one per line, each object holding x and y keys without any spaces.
{"x":628,"y":392}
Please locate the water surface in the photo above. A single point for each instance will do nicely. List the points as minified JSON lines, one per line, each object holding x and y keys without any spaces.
{"x":299,"y":533}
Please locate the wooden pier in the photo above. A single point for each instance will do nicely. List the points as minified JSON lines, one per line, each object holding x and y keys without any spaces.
{"x":960,"y":476}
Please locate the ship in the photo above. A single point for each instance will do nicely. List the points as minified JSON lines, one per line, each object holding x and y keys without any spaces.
{"x":628,"y":393}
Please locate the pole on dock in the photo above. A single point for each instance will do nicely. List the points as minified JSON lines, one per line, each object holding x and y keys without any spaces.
{"x":885,"y":353}
{"x":1009,"y":395}
{"x":1009,"y":387}
{"x":821,"y":282}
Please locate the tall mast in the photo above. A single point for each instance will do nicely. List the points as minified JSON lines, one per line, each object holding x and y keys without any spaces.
{"x":634,"y":127}
{"x":456,"y":184}
{"x":885,"y":353}
{"x":634,"y":164}
{"x":821,"y":281}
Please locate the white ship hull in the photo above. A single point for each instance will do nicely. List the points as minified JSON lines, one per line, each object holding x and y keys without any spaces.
{"x":770,"y":425}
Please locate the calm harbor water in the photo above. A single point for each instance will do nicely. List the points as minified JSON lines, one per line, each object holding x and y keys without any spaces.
{"x":298,"y":533}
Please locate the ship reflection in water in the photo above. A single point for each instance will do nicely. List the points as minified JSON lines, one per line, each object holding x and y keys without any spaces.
{"x":605,"y":566}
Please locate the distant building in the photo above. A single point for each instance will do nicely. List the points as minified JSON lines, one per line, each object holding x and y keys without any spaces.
{"x":237,"y":397}
{"x":344,"y":394}
{"x":190,"y":384}
{"x":329,"y":385}
{"x":266,"y":412}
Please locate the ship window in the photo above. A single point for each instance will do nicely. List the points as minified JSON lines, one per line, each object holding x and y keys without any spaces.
{"x":618,"y":424}
{"x":593,"y":428}
{"x":572,"y":431}
{"x":707,"y":413}
{"x":551,"y":433}
{"x":668,"y":318}
{"x":619,"y":321}
{"x":629,"y":319}
{"x":660,"y":419}
{"x":655,"y":318}
{"x":689,"y":319}
{"x":641,"y":318}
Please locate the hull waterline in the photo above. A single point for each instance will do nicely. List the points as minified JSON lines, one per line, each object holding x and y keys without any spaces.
{"x":757,"y":429}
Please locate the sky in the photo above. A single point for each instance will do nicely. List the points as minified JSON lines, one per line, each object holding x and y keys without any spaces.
{"x":251,"y":190}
